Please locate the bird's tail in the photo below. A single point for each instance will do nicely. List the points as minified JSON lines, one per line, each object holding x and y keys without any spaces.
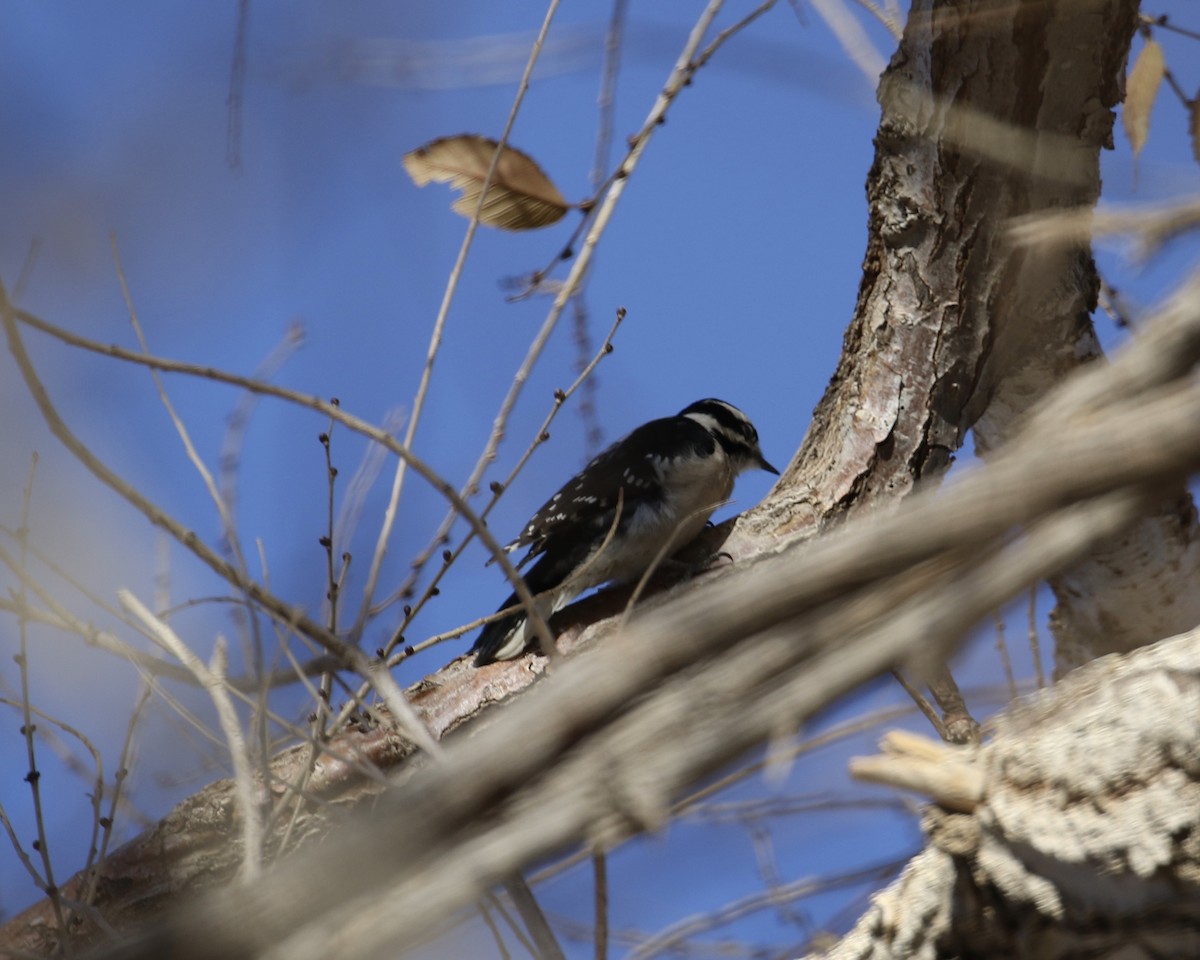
{"x":508,"y":637}
{"x":501,"y":639}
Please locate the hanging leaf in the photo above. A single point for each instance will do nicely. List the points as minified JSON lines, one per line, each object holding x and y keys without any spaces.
{"x":520,"y":197}
{"x":1141,"y":88}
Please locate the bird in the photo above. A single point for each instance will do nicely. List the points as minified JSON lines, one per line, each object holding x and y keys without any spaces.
{"x":654,"y":488}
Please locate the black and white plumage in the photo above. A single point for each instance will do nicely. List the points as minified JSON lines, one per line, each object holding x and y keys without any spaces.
{"x":668,"y":476}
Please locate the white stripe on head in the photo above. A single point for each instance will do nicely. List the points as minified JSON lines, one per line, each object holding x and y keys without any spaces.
{"x":707,"y":421}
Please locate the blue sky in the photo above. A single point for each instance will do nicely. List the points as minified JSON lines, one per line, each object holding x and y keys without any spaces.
{"x":736,"y":251}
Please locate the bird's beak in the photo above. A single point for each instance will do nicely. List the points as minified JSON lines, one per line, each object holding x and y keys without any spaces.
{"x":762,"y":462}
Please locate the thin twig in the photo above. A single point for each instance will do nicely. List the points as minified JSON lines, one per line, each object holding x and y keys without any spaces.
{"x":96,"y":796}
{"x":494,"y":930}
{"x":675,"y":935}
{"x":841,"y":732}
{"x":922,"y":703}
{"x":1005,"y":659}
{"x":19,"y":849}
{"x":33,"y":776}
{"x":228,"y":525}
{"x":61,"y":618}
{"x":535,"y":921}
{"x":410,"y":613}
{"x":515,"y":927}
{"x":120,"y":775}
{"x":768,"y":871}
{"x":1035,"y":643}
{"x":325,"y":689}
{"x":960,"y":726}
{"x":23,"y":278}
{"x":1165,"y":24}
{"x":600,"y":900}
{"x":293,"y":617}
{"x":680,"y":76}
{"x":237,"y":89}
{"x":439,"y":325}
{"x":212,"y":678}
{"x":853,"y":38}
{"x":670,"y":545}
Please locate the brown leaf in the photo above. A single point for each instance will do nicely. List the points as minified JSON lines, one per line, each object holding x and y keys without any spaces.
{"x":1141,"y":88}
{"x":520,"y":197}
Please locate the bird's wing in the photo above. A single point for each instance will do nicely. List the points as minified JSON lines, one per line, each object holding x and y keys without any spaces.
{"x":586,"y":504}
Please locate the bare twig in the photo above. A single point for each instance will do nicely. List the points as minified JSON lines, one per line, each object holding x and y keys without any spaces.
{"x":922,"y":703}
{"x":606,"y":102}
{"x":560,"y":397}
{"x":435,"y":338}
{"x":1164,"y":22}
{"x":535,"y":921}
{"x":852,"y":37}
{"x":120,"y":775}
{"x":1151,"y":226}
{"x":494,"y":930}
{"x":96,"y":795}
{"x":228,"y":526}
{"x":600,"y":899}
{"x":33,"y":776}
{"x":293,"y":617}
{"x":1005,"y":659}
{"x":212,"y":678}
{"x":680,"y":75}
{"x":669,"y":546}
{"x":1035,"y":643}
{"x":959,"y":725}
{"x":675,"y":935}
{"x":237,"y":89}
{"x":517,"y":930}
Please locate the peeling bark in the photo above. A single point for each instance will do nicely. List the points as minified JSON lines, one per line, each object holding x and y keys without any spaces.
{"x":1086,"y":837}
{"x":989,"y":112}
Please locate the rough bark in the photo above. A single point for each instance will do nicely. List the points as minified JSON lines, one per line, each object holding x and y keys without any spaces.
{"x":991,"y":112}
{"x":1084,"y":839}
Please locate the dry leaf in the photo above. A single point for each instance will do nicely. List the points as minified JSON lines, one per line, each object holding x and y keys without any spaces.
{"x":520,"y":197}
{"x":1141,"y":87}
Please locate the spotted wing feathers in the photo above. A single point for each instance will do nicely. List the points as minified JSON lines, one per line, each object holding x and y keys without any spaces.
{"x":587,"y":502}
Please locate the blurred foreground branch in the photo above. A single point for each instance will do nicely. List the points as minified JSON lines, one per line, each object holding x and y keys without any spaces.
{"x":692,"y":683}
{"x":1079,"y":817}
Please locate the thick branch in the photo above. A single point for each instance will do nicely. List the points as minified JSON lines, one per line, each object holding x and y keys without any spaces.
{"x":689,"y":686}
{"x":1082,"y":828}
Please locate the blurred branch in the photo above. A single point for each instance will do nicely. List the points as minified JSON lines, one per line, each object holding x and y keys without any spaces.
{"x":768,"y":645}
{"x":535,"y":921}
{"x":237,"y":89}
{"x":212,"y":678}
{"x":291,"y":616}
{"x":1150,"y":226}
{"x":675,"y":935}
